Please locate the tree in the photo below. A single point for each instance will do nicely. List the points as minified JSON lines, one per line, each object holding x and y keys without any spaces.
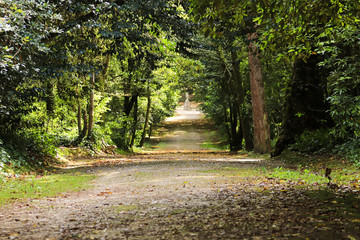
{"x":294,"y":30}
{"x":23,"y":26}
{"x":233,"y":15}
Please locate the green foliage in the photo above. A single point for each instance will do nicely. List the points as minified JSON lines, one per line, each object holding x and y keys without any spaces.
{"x":344,"y":82}
{"x":350,"y":150}
{"x":23,"y":26}
{"x":317,"y":141}
{"x":50,"y":52}
{"x":28,"y":151}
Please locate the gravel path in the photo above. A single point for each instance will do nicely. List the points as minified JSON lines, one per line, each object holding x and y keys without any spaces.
{"x":181,"y":191}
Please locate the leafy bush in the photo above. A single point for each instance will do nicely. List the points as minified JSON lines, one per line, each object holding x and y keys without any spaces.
{"x":350,"y":150}
{"x":4,"y":158}
{"x":318,"y":141}
{"x":323,"y":141}
{"x":25,"y":152}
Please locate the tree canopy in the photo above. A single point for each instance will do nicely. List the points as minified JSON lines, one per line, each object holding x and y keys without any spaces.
{"x":273,"y":75}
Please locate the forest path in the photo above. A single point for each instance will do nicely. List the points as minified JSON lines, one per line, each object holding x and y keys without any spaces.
{"x":186,"y":131}
{"x":181,"y":193}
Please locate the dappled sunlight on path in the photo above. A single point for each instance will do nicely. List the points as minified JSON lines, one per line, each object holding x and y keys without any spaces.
{"x":181,"y":115}
{"x":187,"y":130}
{"x":181,"y":189}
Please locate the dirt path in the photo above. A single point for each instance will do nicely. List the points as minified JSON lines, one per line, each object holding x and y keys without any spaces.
{"x":186,"y":131}
{"x":187,"y":193}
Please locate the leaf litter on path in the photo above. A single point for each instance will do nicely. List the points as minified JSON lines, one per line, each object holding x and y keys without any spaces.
{"x":186,"y":194}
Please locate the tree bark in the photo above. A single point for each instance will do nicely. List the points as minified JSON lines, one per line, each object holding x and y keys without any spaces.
{"x":91,"y":106}
{"x":240,"y":96}
{"x":147,"y":116}
{"x":305,"y":103}
{"x":135,"y":121}
{"x":79,"y":117}
{"x":129,"y":103}
{"x":230,"y":86}
{"x":236,"y":131}
{"x":227,"y":122}
{"x":85,"y":128}
{"x":262,"y":142}
{"x":50,"y":98}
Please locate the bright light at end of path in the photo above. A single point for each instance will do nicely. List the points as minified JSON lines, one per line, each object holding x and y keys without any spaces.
{"x":181,"y":114}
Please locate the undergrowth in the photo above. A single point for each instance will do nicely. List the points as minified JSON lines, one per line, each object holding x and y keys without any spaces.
{"x":310,"y":169}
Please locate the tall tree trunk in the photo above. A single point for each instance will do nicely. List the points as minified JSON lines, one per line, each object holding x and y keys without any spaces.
{"x":305,"y":103}
{"x":262,"y":142}
{"x":230,"y":85}
{"x":50,"y":98}
{"x":246,"y":129}
{"x":129,"y":103}
{"x":236,"y":131}
{"x":91,"y":106}
{"x":79,"y":117}
{"x":102,"y":85}
{"x":134,"y":123}
{"x":240,"y":96}
{"x":147,"y":116}
{"x":227,"y":122}
{"x":85,"y":128}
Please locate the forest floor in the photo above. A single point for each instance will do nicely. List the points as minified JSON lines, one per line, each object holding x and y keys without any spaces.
{"x":184,"y":186}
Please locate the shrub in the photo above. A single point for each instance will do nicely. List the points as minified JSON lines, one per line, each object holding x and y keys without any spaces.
{"x":317,"y":141}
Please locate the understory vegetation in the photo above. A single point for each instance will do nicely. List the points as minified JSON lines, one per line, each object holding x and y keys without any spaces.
{"x":273,"y":75}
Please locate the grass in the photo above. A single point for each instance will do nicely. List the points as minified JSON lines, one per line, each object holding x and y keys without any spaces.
{"x":298,"y":175}
{"x":231,"y":171}
{"x":31,"y":187}
{"x":310,"y":169}
{"x":212,"y":146}
{"x":212,"y":141}
{"x":125,"y":208}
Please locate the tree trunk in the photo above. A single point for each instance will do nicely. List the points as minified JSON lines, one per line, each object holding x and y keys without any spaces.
{"x":246,"y":129}
{"x":128,"y":104}
{"x":50,"y":98}
{"x":102,"y":85}
{"x":305,"y":103}
{"x":236,"y":131}
{"x":227,"y":122}
{"x":147,"y":116}
{"x":79,"y":117}
{"x":260,"y":116}
{"x":230,"y":85}
{"x":91,"y":106}
{"x":85,"y":128}
{"x":240,"y":96}
{"x":135,"y":121}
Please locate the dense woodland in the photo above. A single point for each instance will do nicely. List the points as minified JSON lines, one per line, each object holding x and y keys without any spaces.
{"x":273,"y":75}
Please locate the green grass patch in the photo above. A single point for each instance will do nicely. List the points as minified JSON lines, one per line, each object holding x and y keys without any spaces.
{"x":231,"y":171}
{"x":213,"y":146}
{"x":311,"y":169}
{"x":212,"y":141}
{"x":30,"y":187}
{"x":125,"y":208}
{"x":298,"y":175}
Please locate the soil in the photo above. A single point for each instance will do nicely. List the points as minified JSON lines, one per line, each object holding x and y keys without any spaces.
{"x":182,"y":190}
